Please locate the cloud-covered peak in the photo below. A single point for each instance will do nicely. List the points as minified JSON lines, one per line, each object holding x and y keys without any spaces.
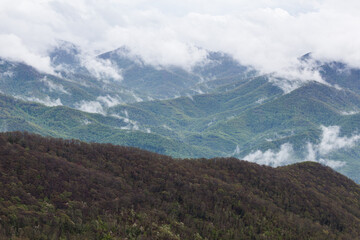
{"x":268,"y":35}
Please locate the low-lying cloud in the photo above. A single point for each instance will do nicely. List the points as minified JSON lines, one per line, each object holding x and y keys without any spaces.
{"x":99,"y":106}
{"x":109,"y":101}
{"x":47,"y":101}
{"x":296,"y":75}
{"x":91,"y":107}
{"x":330,"y":142}
{"x":101,"y":69}
{"x":272,"y":158}
{"x":54,"y":87}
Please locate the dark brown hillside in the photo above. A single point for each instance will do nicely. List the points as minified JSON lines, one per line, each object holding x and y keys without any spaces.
{"x":61,"y":189}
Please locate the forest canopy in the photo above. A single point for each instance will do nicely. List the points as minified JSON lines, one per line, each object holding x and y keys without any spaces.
{"x":67,"y":189}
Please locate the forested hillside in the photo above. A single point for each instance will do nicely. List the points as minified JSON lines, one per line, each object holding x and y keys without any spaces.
{"x":66,"y":189}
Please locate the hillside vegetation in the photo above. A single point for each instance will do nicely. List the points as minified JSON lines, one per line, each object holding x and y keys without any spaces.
{"x":69,"y":123}
{"x":67,"y":189}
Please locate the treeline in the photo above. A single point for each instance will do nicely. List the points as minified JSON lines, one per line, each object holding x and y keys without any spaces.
{"x":67,"y":189}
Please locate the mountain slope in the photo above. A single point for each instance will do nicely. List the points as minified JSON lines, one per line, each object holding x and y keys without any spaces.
{"x":95,"y":83}
{"x":69,"y":123}
{"x":25,"y":82}
{"x":81,"y":191}
{"x":161,"y":82}
{"x":237,"y":114}
{"x":251,"y":110}
{"x":256,"y":116}
{"x":236,"y":120}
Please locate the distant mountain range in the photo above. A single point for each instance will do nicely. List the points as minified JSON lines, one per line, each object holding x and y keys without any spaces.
{"x":219,"y":108}
{"x":55,"y":189}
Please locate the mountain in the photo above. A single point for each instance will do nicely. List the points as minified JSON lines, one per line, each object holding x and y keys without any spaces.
{"x":256,"y":115}
{"x":83,"y":92}
{"x":95,"y":83}
{"x":341,"y":75}
{"x":155,"y":82}
{"x":162,"y":82}
{"x":69,"y":123}
{"x":218,"y":108}
{"x":336,"y":73}
{"x":237,"y":119}
{"x":74,"y":190}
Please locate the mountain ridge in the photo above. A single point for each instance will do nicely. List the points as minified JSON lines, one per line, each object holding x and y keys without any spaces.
{"x":85,"y":191}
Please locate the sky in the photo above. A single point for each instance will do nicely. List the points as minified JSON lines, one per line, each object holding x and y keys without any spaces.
{"x":269,"y":35}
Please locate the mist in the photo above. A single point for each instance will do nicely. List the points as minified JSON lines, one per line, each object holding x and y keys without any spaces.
{"x":330,"y":142}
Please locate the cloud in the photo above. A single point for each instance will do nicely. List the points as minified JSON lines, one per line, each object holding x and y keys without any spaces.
{"x":91,"y":107}
{"x":299,"y":73}
{"x":12,"y":48}
{"x":348,"y":113}
{"x":54,"y":87}
{"x":85,"y":121}
{"x":101,"y":69}
{"x":47,"y":101}
{"x":330,"y":142}
{"x":131,"y":124}
{"x":284,"y":156}
{"x":99,"y":106}
{"x":109,"y":101}
{"x":269,"y":35}
{"x":332,"y":163}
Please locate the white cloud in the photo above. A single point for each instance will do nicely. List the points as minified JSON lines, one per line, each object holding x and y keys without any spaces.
{"x":109,"y":101}
{"x":269,"y":35}
{"x":131,"y":124}
{"x":47,"y":101}
{"x":54,"y":87}
{"x":12,"y":48}
{"x":85,"y":121}
{"x":91,"y":107}
{"x":330,"y":142}
{"x":295,"y":76}
{"x":332,"y":163}
{"x":102,"y":69}
{"x":100,"y":106}
{"x":261,"y":100}
{"x":348,"y":113}
{"x":284,"y":156}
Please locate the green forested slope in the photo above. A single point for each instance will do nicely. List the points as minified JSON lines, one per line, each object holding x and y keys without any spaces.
{"x":69,"y":123}
{"x":235,"y":120}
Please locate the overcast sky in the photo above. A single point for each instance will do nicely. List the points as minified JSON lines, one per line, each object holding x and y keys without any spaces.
{"x":268,"y":34}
